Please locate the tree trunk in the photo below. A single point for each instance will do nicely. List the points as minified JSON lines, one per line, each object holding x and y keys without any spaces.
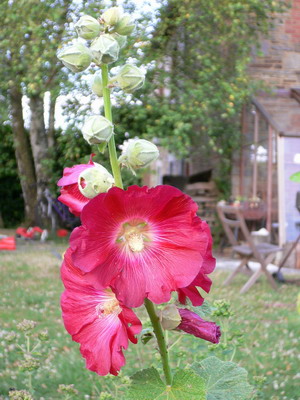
{"x":38,"y":140}
{"x":51,"y":130}
{"x":23,"y":155}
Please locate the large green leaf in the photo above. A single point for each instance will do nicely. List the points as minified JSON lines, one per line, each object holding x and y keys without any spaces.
{"x":224,"y":380}
{"x":147,"y":385}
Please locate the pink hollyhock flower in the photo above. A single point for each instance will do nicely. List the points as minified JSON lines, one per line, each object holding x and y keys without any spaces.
{"x":143,"y":242}
{"x":97,"y":320}
{"x":82,"y":182}
{"x":201,"y":280}
{"x":193,"y":324}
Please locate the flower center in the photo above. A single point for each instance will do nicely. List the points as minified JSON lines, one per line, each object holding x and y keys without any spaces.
{"x":109,"y":305}
{"x":133,"y":235}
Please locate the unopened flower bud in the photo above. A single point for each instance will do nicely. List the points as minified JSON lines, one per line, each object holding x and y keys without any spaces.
{"x":76,"y":57}
{"x":112,"y":16}
{"x":67,"y":389}
{"x":93,"y":181}
{"x":138,"y":153}
{"x":97,"y":87}
{"x":170,"y":317}
{"x":105,"y":49}
{"x":130,"y":78}
{"x":125,"y":26}
{"x":87,"y":27}
{"x":97,"y":129}
{"x":26,"y":325}
{"x":122,"y":40}
{"x":19,"y":395}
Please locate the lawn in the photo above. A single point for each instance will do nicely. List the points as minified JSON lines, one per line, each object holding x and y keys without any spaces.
{"x":264,"y":328}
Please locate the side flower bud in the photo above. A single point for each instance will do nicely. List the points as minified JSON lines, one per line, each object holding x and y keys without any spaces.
{"x":95,"y":180}
{"x":97,"y":129}
{"x":112,"y":16}
{"x":125,"y":26}
{"x":138,"y":153}
{"x":105,"y":49}
{"x":87,"y":27}
{"x":170,"y":317}
{"x":97,"y":85}
{"x":130,"y":78}
{"x":76,"y":57}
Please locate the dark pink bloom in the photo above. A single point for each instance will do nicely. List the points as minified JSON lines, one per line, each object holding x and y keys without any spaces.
{"x":194,"y":325}
{"x":97,"y":320}
{"x":143,"y":242}
{"x":201,"y":280}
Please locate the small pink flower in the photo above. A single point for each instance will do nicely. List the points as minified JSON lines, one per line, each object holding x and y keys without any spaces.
{"x":201,"y":280}
{"x":82,"y":182}
{"x":194,"y":325}
{"x":143,"y":242}
{"x":97,"y":320}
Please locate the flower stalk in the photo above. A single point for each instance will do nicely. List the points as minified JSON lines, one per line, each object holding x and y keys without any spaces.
{"x":159,"y":333}
{"x":108,"y":114}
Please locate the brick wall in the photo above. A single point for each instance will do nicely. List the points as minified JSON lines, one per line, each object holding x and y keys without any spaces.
{"x":279,"y":67}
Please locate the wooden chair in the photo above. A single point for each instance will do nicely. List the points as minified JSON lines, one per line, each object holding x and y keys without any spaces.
{"x":231,"y":218}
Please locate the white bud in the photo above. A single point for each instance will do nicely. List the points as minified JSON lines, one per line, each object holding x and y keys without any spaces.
{"x":138,"y":153}
{"x":95,"y":180}
{"x":76,"y":57}
{"x":130,"y":78}
{"x":124,"y":26}
{"x":170,"y":317}
{"x":97,"y":87}
{"x":105,"y":49}
{"x":87,"y":27}
{"x":112,"y":16}
{"x":97,"y":129}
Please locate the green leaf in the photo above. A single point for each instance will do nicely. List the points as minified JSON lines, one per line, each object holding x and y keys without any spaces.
{"x":224,"y":380}
{"x":203,"y":311}
{"x":147,"y":385}
{"x":295,"y":177}
{"x":146,"y":335}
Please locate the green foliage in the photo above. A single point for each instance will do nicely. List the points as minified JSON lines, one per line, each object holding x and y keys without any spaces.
{"x":185,"y":385}
{"x":224,"y":380}
{"x":11,"y":201}
{"x":295,"y":177}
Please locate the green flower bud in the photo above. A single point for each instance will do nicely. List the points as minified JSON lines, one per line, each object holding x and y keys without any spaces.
{"x":67,"y":389}
{"x":105,"y":49}
{"x":170,"y":317}
{"x":138,"y":153}
{"x":125,"y":26}
{"x":29,"y":364}
{"x":122,"y":40}
{"x":87,"y":27}
{"x":76,"y":57}
{"x":97,"y":87}
{"x":97,"y":129}
{"x":112,"y":16}
{"x":95,"y":180}
{"x":43,"y":335}
{"x":130,"y":78}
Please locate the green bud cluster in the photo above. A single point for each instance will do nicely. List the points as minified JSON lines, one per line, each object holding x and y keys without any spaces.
{"x":222,"y":309}
{"x":67,"y":389}
{"x":26,"y":325}
{"x":29,"y":364}
{"x":19,"y":395}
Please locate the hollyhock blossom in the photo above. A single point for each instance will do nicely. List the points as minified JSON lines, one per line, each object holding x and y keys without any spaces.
{"x":143,"y":242}
{"x":193,"y":324}
{"x":82,"y":182}
{"x":97,"y":320}
{"x":201,"y":280}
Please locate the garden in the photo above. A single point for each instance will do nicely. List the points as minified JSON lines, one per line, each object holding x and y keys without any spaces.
{"x":146,"y":242}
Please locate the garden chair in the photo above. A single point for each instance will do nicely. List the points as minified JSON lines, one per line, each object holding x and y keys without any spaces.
{"x":232,"y":218}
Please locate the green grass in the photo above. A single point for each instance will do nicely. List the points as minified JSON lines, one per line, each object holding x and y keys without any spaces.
{"x":31,"y":288}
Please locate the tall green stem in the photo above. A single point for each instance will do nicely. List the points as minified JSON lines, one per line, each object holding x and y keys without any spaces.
{"x":159,"y":333}
{"x":108,"y":114}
